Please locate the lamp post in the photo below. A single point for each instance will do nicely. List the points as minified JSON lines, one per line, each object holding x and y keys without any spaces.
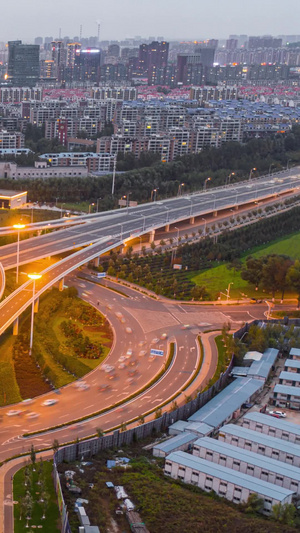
{"x":18,"y":227}
{"x":61,"y":210}
{"x":205,"y":183}
{"x":98,"y":202}
{"x":179,"y":192}
{"x":144,"y":222}
{"x":90,"y":208}
{"x":204,"y":225}
{"x":214,"y":207}
{"x":251,"y":172}
{"x":153,"y":195}
{"x":228,"y":290}
{"x":114,"y":176}
{"x":272,"y":165}
{"x":34,"y":277}
{"x":229,"y":177}
{"x":56,"y":198}
{"x":191,"y":206}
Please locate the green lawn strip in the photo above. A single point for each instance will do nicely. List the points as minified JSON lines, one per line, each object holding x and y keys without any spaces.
{"x":218,"y":278}
{"x":121,"y":402}
{"x":221,"y":366}
{"x":199,"y":365}
{"x":51,"y":524}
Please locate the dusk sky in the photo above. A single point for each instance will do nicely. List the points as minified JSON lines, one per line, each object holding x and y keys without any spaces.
{"x":172,"y":19}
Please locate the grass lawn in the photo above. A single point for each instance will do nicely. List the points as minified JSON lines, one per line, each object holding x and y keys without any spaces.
{"x":51,"y":524}
{"x":218,"y":278}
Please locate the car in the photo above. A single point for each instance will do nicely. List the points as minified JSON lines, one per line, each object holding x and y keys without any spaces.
{"x":128,"y":330}
{"x":279,"y":414}
{"x":28,"y":401}
{"x":13,"y":412}
{"x":163,"y":336}
{"x":122,"y":359}
{"x":49,"y":401}
{"x":185,"y":326}
{"x":118,"y":314}
{"x":128,"y":353}
{"x":133,"y":362}
{"x":121,"y":365}
{"x":109,"y":368}
{"x":142,"y":343}
{"x":122,"y":320}
{"x":32,"y":415}
{"x":103,"y":387}
{"x":247,"y":405}
{"x":83,"y":386}
{"x":142,"y":352}
{"x":132,"y":372}
{"x":155,"y":340}
{"x":111,"y":376}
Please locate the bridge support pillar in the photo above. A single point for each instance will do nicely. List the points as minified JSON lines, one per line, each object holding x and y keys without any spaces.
{"x":16,"y":326}
{"x":192,"y":220}
{"x":167,"y":228}
{"x":152,"y":235}
{"x":36,"y":305}
{"x":236,"y":207}
{"x":61,"y":284}
{"x":96,"y":261}
{"x":215,"y":213}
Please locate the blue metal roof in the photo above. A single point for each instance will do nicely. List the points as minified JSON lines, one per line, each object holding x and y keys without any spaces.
{"x":217,"y":410}
{"x":263,"y":367}
{"x":231,"y":476}
{"x":178,"y":440}
{"x":287,"y":389}
{"x":290,"y":376}
{"x":251,"y":458}
{"x":292,"y":363}
{"x":261,"y":438}
{"x":295,"y":351}
{"x":273,"y":422}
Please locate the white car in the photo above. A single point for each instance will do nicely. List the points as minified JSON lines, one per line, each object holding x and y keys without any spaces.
{"x":122,"y":359}
{"x":109,"y":368}
{"x":28,"y":401}
{"x":13,"y":412}
{"x":163,"y":336}
{"x":155,"y":340}
{"x":83,"y":386}
{"x":121,"y":365}
{"x":32,"y":415}
{"x":128,"y":330}
{"x":128,"y":353}
{"x":142,"y":343}
{"x":279,"y":414}
{"x":142,"y":352}
{"x":50,"y":401}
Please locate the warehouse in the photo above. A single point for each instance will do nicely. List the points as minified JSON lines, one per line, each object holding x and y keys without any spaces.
{"x":289,"y":378}
{"x":184,"y":441}
{"x":227,"y":404}
{"x":250,"y":463}
{"x":228,"y":483}
{"x":275,"y":427}
{"x":261,"y":369}
{"x":278,"y":449}
{"x":200,"y":428}
{"x":295,"y":353}
{"x":286,"y":396}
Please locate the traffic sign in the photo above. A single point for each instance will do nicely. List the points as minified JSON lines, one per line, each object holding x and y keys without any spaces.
{"x":160,"y":353}
{"x":101,"y":274}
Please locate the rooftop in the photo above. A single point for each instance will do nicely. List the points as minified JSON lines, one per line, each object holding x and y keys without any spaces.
{"x":249,"y":457}
{"x":179,"y":440}
{"x":261,"y":438}
{"x":231,"y":476}
{"x":10,"y":194}
{"x":295,"y":351}
{"x":217,"y":410}
{"x":292,"y":363}
{"x":273,"y":422}
{"x":290,"y":376}
{"x":287,"y":389}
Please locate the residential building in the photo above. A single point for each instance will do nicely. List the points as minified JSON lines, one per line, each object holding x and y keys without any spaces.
{"x":287,"y":396}
{"x":23,"y":64}
{"x":270,"y":425}
{"x":183,"y":441}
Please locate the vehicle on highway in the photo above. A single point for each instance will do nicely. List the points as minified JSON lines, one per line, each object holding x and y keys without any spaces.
{"x":122,"y":320}
{"x":142,"y":352}
{"x":122,"y":365}
{"x":82,"y":285}
{"x":28,"y":401}
{"x":278,"y":414}
{"x":118,"y":314}
{"x":103,"y":387}
{"x":32,"y":415}
{"x":49,"y":401}
{"x":83,"y":386}
{"x":13,"y":412}
{"x":130,"y":380}
{"x":132,"y":372}
{"x":155,"y":340}
{"x":112,"y":375}
{"x":128,"y":353}
{"x":163,"y":336}
{"x":122,"y":359}
{"x":133,"y":362}
{"x":128,"y":330}
{"x":109,"y":368}
{"x":142,"y":343}
{"x":185,"y":326}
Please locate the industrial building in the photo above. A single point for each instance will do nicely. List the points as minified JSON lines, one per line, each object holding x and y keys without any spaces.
{"x":250,"y":463}
{"x":233,"y":485}
{"x":12,"y":199}
{"x":254,"y":441}
{"x":286,"y":395}
{"x":270,"y":425}
{"x":183,"y":441}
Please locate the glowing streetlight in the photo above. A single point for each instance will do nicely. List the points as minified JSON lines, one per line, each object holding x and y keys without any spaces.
{"x":90,"y":207}
{"x":153,"y":194}
{"x":34,"y":277}
{"x":180,"y":188}
{"x":251,"y":172}
{"x":205,"y":183}
{"x":229,"y":178}
{"x":18,"y":227}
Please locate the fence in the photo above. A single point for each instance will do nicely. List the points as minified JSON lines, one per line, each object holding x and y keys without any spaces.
{"x":118,"y":438}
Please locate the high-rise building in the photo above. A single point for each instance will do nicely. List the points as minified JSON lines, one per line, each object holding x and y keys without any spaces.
{"x":153,"y":54}
{"x":87,"y":65}
{"x":23,"y":64}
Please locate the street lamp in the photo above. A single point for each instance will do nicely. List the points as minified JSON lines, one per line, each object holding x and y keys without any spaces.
{"x":18,"y":227}
{"x":204,"y":225}
{"x":251,"y":172}
{"x":229,"y":178}
{"x":153,"y":194}
{"x":61,"y":210}
{"x":228,"y":290}
{"x":179,"y":192}
{"x":98,"y":202}
{"x":114,"y":176}
{"x":144,"y":222}
{"x":90,"y":208}
{"x":34,"y":277}
{"x":56,"y":198}
{"x":205,"y":183}
{"x":272,"y":165}
{"x":121,"y":228}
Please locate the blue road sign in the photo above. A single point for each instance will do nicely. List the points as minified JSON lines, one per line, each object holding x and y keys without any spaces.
{"x":160,"y":353}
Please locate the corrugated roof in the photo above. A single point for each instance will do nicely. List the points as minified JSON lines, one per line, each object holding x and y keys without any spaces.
{"x":231,"y":476}
{"x":249,"y":457}
{"x":174,"y":442}
{"x":292,"y":363}
{"x":217,"y":410}
{"x":289,"y":376}
{"x":261,"y":438}
{"x":287,"y":389}
{"x":273,"y":422}
{"x":295,"y":351}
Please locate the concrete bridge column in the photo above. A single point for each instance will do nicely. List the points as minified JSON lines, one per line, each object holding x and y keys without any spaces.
{"x":192,"y":220}
{"x":16,"y":326}
{"x":167,"y":228}
{"x":215,"y":213}
{"x":96,"y":261}
{"x":61,"y":284}
{"x":36,"y":305}
{"x":152,"y":235}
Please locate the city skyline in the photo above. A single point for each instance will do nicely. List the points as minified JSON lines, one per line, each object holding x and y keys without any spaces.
{"x":198,"y":20}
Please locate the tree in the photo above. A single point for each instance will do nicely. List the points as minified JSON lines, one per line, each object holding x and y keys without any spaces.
{"x":158,"y":412}
{"x":55,"y":445}
{"x":274,"y":273}
{"x":293,"y":279}
{"x":32,"y":456}
{"x":141,"y":420}
{"x":253,"y":271}
{"x":284,"y":513}
{"x":99,"y":432}
{"x":254,"y":504}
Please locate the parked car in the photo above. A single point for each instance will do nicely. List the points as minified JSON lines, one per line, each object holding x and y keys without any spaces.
{"x":278,"y":414}
{"x":247,"y":405}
